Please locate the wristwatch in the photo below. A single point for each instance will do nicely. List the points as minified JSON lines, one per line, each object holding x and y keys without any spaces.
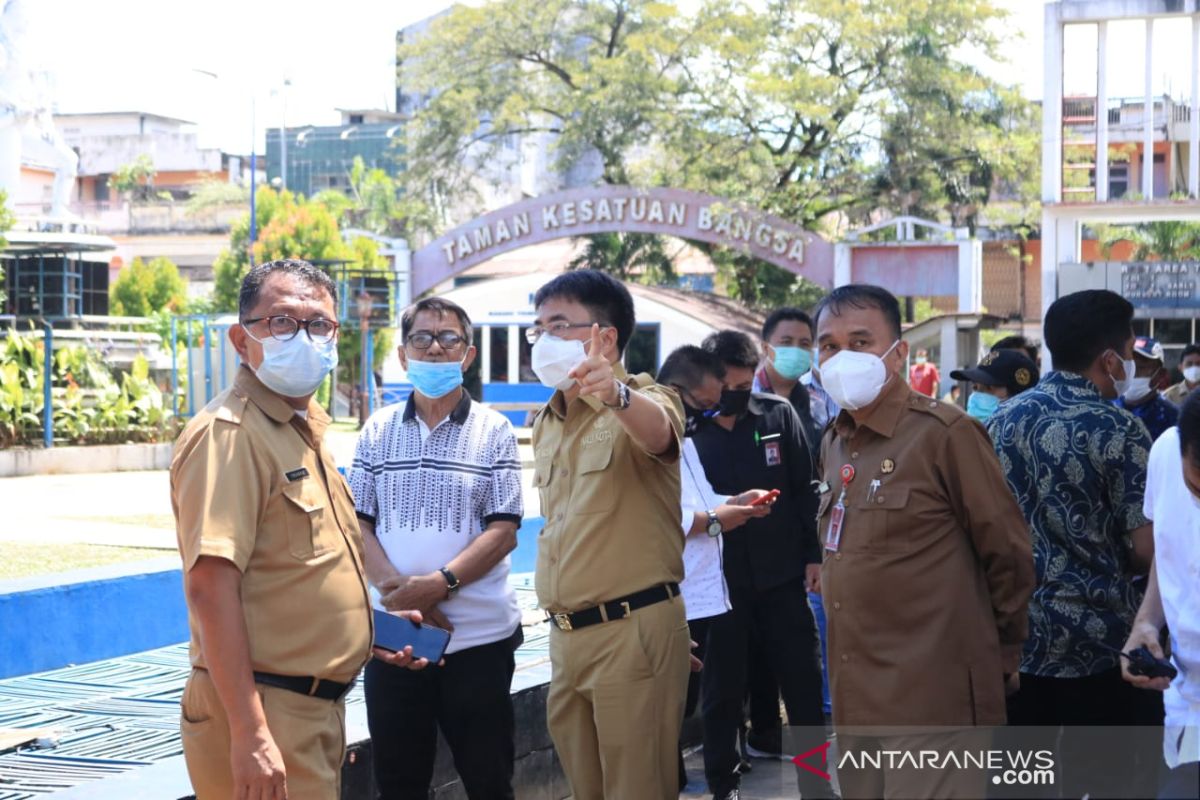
{"x":714,"y":524}
{"x":623,"y":397}
{"x":452,"y":581}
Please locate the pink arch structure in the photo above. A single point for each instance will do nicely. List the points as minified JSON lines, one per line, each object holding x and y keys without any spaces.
{"x":604,"y":209}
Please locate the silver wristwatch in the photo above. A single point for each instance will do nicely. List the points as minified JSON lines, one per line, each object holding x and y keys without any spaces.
{"x":623,"y":397}
{"x":714,"y":524}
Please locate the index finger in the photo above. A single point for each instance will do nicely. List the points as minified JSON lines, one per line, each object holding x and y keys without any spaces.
{"x":594,"y":345}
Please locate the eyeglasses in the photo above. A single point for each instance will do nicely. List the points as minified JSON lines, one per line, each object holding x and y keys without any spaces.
{"x":423,"y":340}
{"x":556,"y":329}
{"x":285,"y":328}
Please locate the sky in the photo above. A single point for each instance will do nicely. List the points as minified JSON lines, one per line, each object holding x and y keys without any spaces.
{"x":222,"y":63}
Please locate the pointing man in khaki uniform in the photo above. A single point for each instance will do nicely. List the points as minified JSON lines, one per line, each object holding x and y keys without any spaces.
{"x":928,"y":565}
{"x":272,"y":557}
{"x":610,"y":558}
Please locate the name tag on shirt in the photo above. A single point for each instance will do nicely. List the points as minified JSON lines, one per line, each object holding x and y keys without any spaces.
{"x":833,"y":537}
{"x":772,"y":453}
{"x":296,"y":474}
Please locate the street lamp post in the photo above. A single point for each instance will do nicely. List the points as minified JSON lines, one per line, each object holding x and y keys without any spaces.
{"x":364,"y":328}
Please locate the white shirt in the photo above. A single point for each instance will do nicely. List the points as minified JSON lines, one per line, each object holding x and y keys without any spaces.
{"x":1176,"y":517}
{"x":704,"y":591}
{"x":430,"y":493}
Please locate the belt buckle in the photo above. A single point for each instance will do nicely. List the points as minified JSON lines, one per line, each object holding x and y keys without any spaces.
{"x":628,"y":610}
{"x":563,"y":621}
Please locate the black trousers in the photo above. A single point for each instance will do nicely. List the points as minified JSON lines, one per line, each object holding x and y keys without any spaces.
{"x":1080,"y":720}
{"x":782,"y":620}
{"x":468,"y":699}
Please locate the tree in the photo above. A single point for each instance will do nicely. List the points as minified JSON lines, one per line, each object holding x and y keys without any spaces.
{"x":629,"y":256}
{"x":292,"y":227}
{"x":1170,"y":240}
{"x":215,"y":194}
{"x":146,"y":287}
{"x":135,"y":179}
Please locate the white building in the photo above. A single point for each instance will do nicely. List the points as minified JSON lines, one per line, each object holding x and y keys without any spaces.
{"x":1080,"y":189}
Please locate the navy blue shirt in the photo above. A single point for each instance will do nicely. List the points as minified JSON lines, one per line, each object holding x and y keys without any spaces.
{"x":1077,"y":465}
{"x":1159,"y":415}
{"x":765,"y":450}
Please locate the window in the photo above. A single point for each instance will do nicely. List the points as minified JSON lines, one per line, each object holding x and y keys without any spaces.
{"x":498,"y":336}
{"x":1173,"y":331}
{"x":1141,"y":327}
{"x":356,"y":119}
{"x":1118,"y":180}
{"x":641,"y":354}
{"x":527,"y":375}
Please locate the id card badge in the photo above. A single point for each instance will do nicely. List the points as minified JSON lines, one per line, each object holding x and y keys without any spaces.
{"x":833,"y":537}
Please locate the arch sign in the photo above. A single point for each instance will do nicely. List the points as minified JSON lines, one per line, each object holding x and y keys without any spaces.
{"x":608,"y":209}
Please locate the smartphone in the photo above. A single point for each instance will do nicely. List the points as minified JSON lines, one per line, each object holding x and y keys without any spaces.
{"x":766,"y":498}
{"x":396,"y":633}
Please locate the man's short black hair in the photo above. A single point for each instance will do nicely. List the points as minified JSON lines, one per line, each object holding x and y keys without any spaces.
{"x":786,"y":314}
{"x":1021,"y":343}
{"x":253,"y":282}
{"x":1189,"y":428}
{"x":604,"y":296}
{"x":732,"y":348}
{"x":1080,"y":326}
{"x":440,"y":306}
{"x":688,"y":366}
{"x":1190,"y":350}
{"x":861,"y":295}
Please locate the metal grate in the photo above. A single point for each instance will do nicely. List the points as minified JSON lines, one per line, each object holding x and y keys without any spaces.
{"x":116,"y":715}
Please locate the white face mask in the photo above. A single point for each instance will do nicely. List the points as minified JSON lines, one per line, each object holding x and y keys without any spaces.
{"x":1137,"y":389}
{"x":1123,"y":385}
{"x":854,"y":379}
{"x":552,"y":358}
{"x":1192,"y":374}
{"x":295,"y":368}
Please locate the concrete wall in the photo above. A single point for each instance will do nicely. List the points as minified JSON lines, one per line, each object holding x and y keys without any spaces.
{"x":52,"y":621}
{"x":93,"y":458}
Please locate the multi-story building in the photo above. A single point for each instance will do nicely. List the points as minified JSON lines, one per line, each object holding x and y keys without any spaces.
{"x":1149,"y":178}
{"x":320,"y":157}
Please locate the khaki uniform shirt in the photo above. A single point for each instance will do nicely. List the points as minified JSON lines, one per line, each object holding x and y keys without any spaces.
{"x":1178,"y":393}
{"x":927,"y":595}
{"x":250,"y":483}
{"x":611,"y":509}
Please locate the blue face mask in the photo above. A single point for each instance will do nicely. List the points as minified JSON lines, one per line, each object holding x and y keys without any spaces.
{"x":435,"y":379}
{"x":982,"y":405}
{"x":792,"y":362}
{"x":295,"y":368}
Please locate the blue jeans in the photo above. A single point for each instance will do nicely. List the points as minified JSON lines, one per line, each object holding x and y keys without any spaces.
{"x":818,"y":610}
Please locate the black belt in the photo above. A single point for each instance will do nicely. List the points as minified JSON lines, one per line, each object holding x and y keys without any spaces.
{"x":313,"y":687}
{"x":620,"y":608}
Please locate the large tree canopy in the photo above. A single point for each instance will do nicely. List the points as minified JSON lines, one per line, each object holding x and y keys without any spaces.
{"x":822,"y":111}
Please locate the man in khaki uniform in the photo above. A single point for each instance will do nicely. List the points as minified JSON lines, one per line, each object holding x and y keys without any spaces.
{"x":610,"y":557}
{"x":272,"y":557}
{"x":928,"y":565}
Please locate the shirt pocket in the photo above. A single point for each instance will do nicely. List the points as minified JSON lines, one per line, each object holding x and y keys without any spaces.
{"x":593,"y":491}
{"x":876,"y":523}
{"x":306,"y":512}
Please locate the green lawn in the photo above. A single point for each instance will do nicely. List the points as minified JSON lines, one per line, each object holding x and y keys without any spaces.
{"x":22,"y":559}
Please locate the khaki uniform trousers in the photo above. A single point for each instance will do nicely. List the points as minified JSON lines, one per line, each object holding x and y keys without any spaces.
{"x":616,"y":701}
{"x":310,"y":733}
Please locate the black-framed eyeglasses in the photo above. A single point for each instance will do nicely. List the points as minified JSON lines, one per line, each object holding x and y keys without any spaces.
{"x":284,"y":328}
{"x":556,"y":329}
{"x":423,"y":340}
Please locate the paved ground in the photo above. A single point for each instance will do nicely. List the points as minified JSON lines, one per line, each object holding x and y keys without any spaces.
{"x":131,"y":509}
{"x":768,"y":780}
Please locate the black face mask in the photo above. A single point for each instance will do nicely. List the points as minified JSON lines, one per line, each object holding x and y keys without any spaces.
{"x":734,"y":402}
{"x":693,"y":418}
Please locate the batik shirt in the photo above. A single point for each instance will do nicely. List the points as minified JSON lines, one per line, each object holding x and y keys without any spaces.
{"x":1077,"y":465}
{"x":1159,"y":415}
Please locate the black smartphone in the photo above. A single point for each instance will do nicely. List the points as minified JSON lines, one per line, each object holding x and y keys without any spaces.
{"x":396,"y":633}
